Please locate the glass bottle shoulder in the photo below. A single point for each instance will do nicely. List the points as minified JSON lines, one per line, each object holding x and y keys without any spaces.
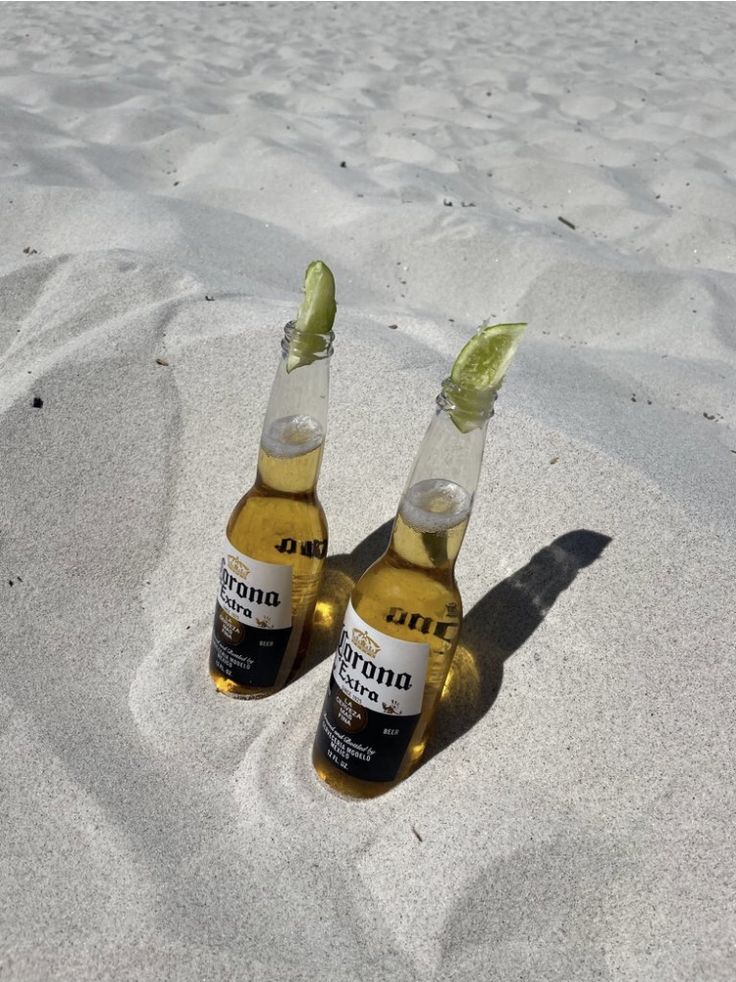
{"x":277,"y":527}
{"x":409,"y":602}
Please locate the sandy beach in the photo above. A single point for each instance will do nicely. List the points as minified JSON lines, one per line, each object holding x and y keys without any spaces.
{"x":167,"y":171}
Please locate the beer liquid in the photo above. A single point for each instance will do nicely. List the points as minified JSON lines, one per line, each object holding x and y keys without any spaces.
{"x":410,"y":593}
{"x":280,"y":520}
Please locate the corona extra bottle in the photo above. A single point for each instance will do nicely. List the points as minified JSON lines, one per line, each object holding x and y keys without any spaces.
{"x":276,"y":539}
{"x":403,"y":619}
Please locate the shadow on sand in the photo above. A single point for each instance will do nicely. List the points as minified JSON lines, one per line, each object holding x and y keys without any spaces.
{"x":492,"y":630}
{"x":499,"y":624}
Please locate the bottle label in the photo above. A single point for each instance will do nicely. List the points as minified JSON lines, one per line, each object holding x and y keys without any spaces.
{"x":374,"y":700}
{"x":252,"y":619}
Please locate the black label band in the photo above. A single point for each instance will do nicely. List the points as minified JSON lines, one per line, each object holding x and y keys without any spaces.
{"x":361,"y":742}
{"x":249,"y":656}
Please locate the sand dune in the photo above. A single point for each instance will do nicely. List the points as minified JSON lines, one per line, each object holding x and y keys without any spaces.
{"x":167,"y":172}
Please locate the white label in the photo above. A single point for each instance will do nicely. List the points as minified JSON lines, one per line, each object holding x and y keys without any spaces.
{"x":380,"y":672}
{"x":254,"y":593}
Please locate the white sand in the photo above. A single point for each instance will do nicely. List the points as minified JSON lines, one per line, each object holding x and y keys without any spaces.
{"x":581,"y":826}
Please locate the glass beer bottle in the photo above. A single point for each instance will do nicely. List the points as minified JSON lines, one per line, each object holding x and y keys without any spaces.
{"x":403,"y":620}
{"x":276,"y":539}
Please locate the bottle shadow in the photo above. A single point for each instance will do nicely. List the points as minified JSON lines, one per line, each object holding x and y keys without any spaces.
{"x":499,"y":624}
{"x":496,"y":627}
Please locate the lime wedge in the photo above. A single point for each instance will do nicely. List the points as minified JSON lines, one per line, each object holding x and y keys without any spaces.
{"x":483,"y":361}
{"x":479,"y":370}
{"x":315,"y":318}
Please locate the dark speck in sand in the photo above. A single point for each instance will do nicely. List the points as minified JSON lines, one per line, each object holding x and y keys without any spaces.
{"x":467,"y":204}
{"x":208,"y":297}
{"x":37,"y":402}
{"x":343,"y":164}
{"x":30,"y":252}
{"x":554,"y":460}
{"x":162,"y":361}
{"x":417,"y":834}
{"x":565,"y":222}
{"x":393,"y":327}
{"x":633,"y":398}
{"x":710,"y":416}
{"x":446,"y":203}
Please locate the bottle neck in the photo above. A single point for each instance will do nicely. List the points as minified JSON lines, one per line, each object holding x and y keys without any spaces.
{"x":294,"y":429}
{"x":436,"y":504}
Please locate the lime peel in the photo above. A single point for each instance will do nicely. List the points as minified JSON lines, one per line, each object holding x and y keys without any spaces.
{"x":479,"y":370}
{"x":315,"y":317}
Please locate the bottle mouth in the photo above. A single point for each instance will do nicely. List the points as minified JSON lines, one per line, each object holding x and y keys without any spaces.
{"x":314,"y":346}
{"x":471,"y":407}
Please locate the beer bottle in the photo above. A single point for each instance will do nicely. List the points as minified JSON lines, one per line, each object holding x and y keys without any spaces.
{"x":276,"y":539}
{"x":403,"y":619}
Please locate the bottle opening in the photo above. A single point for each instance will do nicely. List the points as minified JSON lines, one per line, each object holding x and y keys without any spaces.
{"x":312,"y":347}
{"x":469,"y":408}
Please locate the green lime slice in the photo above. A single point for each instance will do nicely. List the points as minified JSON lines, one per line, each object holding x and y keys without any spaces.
{"x":479,"y":370}
{"x":483,"y":361}
{"x":315,"y":318}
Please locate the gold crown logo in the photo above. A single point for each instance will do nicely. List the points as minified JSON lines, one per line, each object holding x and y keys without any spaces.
{"x":238,"y":567}
{"x":362,"y":640}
